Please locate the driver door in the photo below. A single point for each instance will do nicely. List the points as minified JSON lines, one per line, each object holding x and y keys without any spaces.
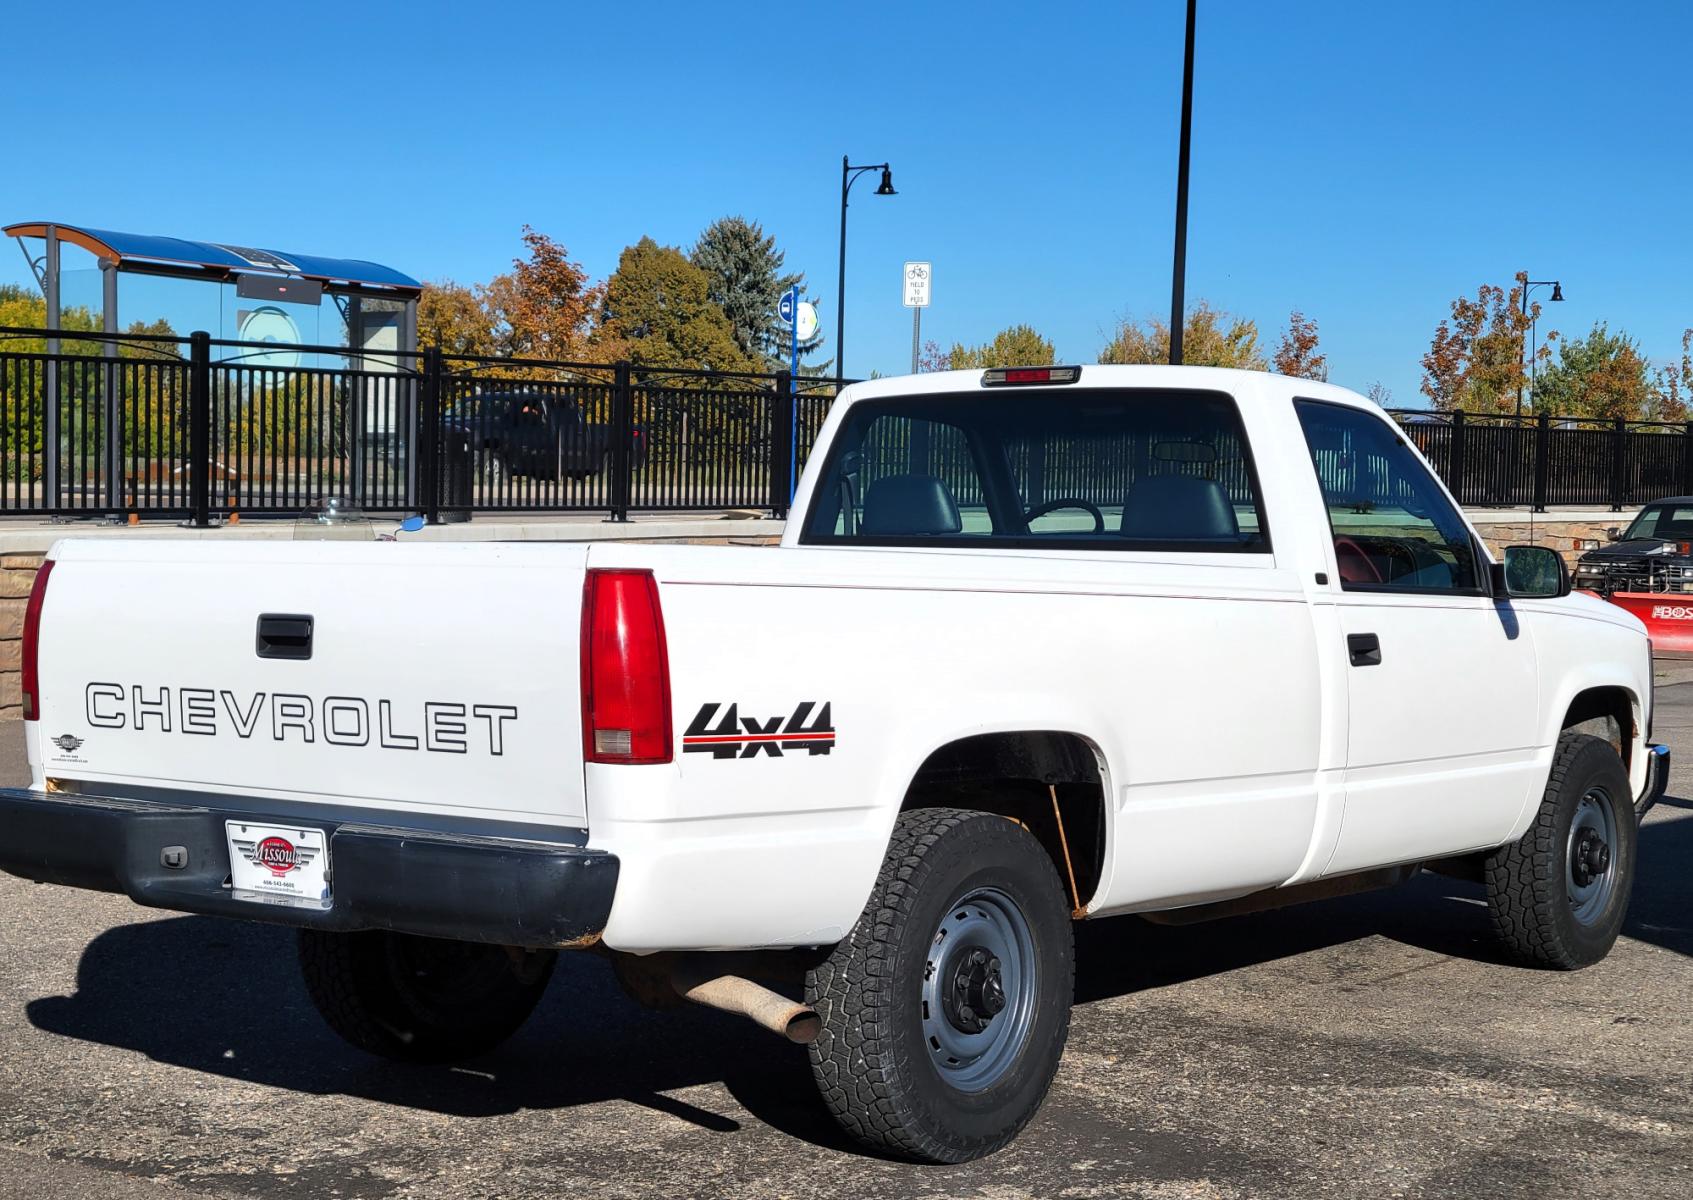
{"x":1439,"y":677}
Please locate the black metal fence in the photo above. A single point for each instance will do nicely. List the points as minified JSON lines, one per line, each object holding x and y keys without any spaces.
{"x":197,"y":428}
{"x":1536,"y":461}
{"x":116,"y":425}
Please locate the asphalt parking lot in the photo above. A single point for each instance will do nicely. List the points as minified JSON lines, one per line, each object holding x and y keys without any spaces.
{"x":1373,"y":1046}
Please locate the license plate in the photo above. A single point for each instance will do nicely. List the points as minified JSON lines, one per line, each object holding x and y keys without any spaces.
{"x":278,"y":864}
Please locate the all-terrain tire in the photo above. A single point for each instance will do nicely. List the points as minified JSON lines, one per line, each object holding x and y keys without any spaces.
{"x":1551,"y":907}
{"x":955,"y":885}
{"x":417,"y":999}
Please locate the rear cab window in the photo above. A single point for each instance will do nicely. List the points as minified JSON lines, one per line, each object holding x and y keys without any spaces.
{"x":1100,"y":469}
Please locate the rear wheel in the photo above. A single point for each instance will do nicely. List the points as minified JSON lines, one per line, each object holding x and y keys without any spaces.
{"x":418,"y":999}
{"x":1558,"y":897}
{"x":946,"y":1008}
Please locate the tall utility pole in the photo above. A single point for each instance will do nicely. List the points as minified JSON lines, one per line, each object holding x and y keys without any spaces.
{"x":1178,"y":278}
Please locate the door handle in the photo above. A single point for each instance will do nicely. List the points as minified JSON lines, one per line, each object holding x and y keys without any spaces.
{"x":284,"y":635}
{"x":1364,"y":649}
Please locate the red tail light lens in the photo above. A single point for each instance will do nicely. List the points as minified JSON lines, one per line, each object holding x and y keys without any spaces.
{"x":625,"y":670}
{"x":31,"y":673}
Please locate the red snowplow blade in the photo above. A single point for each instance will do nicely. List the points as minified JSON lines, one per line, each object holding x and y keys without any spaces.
{"x":1669,"y":618}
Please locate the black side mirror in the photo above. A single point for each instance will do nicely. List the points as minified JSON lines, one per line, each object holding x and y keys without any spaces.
{"x":1613,"y":534}
{"x":1531,"y":573}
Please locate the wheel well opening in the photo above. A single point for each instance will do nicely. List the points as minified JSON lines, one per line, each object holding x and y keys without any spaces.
{"x":1608,"y":713}
{"x":1050,"y":782}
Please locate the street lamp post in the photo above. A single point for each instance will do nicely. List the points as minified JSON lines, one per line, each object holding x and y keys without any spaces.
{"x":849,"y":176}
{"x":1557,"y":298}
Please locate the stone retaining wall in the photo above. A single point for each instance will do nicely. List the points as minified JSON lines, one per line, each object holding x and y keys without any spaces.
{"x":17,"y":573}
{"x":1562,"y":536}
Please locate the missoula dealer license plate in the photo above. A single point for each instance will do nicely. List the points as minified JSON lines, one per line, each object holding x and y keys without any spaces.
{"x":278,"y":864}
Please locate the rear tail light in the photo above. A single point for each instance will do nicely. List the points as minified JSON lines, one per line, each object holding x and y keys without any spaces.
{"x":31,"y":672}
{"x":625,"y":670}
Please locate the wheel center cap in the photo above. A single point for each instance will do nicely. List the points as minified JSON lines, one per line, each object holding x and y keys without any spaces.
{"x":977,"y":994}
{"x":1591,"y":859}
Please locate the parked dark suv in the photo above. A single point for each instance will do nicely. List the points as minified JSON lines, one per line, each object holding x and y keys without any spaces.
{"x":540,"y":435}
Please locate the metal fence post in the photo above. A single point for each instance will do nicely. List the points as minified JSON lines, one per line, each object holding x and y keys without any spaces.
{"x":200,"y":427}
{"x":428,"y":448}
{"x":781,"y":444}
{"x":1619,"y":443}
{"x":1687,"y":459}
{"x":1456,"y":483}
{"x":1542,"y":464}
{"x":623,"y":436}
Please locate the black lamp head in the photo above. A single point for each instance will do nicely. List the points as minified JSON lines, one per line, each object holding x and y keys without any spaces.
{"x":887,"y":188}
{"x":1557,"y":292}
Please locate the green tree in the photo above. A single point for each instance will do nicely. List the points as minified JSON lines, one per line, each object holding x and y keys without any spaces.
{"x":658,"y":311}
{"x":1018,"y":346}
{"x":1602,"y":374}
{"x":746,"y":280}
{"x":1211,"y":337}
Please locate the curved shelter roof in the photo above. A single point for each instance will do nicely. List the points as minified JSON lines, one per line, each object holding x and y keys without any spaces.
{"x":218,"y":260}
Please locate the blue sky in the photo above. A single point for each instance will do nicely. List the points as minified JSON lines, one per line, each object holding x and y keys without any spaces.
{"x":1364,"y":162}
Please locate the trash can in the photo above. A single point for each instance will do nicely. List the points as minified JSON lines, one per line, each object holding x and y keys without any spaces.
{"x":457,"y":476}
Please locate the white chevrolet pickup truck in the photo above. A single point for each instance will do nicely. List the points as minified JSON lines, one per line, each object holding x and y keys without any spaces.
{"x":1039,"y":645}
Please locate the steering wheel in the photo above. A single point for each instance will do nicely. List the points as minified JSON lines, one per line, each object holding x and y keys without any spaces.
{"x":1040,"y":510}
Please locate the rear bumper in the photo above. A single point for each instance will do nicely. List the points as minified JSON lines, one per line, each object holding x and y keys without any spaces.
{"x":486,"y":889}
{"x":1657,"y":778}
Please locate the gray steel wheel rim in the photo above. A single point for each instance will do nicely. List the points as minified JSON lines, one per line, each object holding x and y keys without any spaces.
{"x":1596,"y":813}
{"x":989,"y":919}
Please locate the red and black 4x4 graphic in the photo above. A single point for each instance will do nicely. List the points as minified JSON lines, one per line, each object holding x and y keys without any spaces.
{"x":730,"y":735}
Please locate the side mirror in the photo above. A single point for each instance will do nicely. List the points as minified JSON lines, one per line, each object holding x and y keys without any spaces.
{"x":1532,"y":573}
{"x":1613,"y":534}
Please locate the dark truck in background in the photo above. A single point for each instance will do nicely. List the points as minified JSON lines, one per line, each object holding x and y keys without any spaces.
{"x":537,"y":435}
{"x":1647,"y":568}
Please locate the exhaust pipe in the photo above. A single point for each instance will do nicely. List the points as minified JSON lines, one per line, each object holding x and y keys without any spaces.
{"x":773,"y":1011}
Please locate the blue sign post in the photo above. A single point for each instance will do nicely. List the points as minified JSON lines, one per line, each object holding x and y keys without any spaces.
{"x":788,"y":309}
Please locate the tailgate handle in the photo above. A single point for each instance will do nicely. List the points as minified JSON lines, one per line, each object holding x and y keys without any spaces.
{"x":284,"y":635}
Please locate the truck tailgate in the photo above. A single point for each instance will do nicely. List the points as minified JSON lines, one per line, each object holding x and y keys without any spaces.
{"x":436,"y":678}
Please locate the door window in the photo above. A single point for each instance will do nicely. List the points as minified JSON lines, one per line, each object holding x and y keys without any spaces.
{"x":1394,"y":529}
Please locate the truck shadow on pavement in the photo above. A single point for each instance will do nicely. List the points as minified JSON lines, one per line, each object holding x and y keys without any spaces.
{"x":224,"y":997}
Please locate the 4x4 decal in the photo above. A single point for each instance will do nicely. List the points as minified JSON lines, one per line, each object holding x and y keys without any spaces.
{"x":735,"y":736}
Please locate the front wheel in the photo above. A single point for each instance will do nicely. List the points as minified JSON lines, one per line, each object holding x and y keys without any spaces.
{"x":946,"y":1008}
{"x":1559,"y":895}
{"x":419,"y":999}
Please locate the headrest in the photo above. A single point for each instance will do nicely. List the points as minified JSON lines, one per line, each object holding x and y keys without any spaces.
{"x":909,"y":504}
{"x":1179,"y":508}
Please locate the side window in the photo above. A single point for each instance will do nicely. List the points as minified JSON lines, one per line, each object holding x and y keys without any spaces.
{"x":1393,"y":527}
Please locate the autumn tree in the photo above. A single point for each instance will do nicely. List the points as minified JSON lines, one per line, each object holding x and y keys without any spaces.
{"x":453,"y":319}
{"x":746,"y":280}
{"x":1296,"y":355}
{"x":658,"y":311}
{"x":1475,"y":360}
{"x":1016,"y":346}
{"x":933,"y":358}
{"x":1380,"y":394}
{"x":1210,"y":338}
{"x":1675,"y":383}
{"x":545,"y":306}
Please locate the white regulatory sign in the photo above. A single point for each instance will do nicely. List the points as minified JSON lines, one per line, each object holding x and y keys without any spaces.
{"x":918,"y":276}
